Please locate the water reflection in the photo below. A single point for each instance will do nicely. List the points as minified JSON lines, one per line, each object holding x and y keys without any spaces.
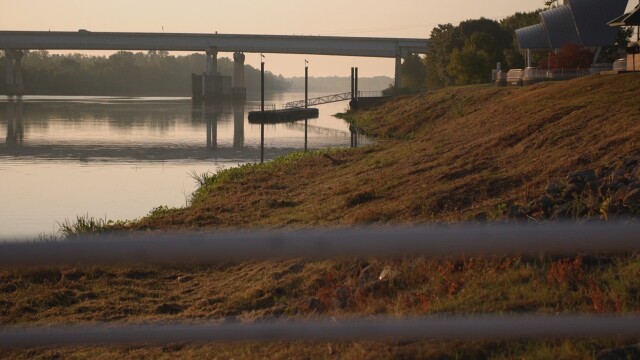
{"x":98,"y":129}
{"x":238,"y":126}
{"x":15,"y":126}
{"x":120,"y":157}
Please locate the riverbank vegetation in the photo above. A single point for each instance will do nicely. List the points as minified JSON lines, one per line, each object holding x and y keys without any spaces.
{"x":125,"y":73}
{"x":455,"y":155}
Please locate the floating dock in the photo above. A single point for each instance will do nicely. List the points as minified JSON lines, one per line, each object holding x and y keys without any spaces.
{"x":282,"y":116}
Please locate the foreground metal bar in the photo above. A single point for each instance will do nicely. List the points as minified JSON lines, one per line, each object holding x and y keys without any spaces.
{"x":437,"y":241}
{"x":457,"y":328}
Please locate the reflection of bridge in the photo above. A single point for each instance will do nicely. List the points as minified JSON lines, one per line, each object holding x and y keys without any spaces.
{"x":15,"y":126}
{"x":13,"y":42}
{"x":210,"y":116}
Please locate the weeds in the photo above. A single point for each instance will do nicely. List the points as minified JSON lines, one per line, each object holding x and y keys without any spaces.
{"x":86,"y":225}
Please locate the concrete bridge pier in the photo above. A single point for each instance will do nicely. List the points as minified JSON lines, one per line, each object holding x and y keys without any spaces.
{"x":212,"y":61}
{"x":402,"y":54}
{"x":13,"y":60}
{"x":239,"y":90}
{"x":398,"y":79}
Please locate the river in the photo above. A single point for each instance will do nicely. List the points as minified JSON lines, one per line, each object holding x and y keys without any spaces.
{"x":118,"y":158}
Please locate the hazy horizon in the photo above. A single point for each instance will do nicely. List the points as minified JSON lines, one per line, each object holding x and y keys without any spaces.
{"x":402,"y":18}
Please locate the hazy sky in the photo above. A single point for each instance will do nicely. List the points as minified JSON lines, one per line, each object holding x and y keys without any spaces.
{"x":399,"y":18}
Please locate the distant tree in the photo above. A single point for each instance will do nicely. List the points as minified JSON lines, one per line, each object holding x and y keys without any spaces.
{"x":548,"y":4}
{"x":414,"y":72}
{"x":470,"y":65}
{"x":443,"y":41}
{"x":460,"y":54}
{"x":123,"y":73}
{"x":610,"y":54}
{"x":513,"y":56}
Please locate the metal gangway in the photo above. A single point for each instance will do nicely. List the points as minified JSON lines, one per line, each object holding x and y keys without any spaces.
{"x":331,"y":99}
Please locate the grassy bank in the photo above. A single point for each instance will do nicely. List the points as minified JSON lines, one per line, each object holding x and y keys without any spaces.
{"x":453,"y":155}
{"x":450,"y":155}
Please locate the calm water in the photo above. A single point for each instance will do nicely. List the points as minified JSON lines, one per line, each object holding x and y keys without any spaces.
{"x":118,"y":158}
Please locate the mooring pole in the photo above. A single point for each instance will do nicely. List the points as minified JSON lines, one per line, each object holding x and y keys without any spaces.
{"x":306,"y":100}
{"x":356,"y":82}
{"x":306,"y":84}
{"x":352,"y":83}
{"x":262,"y":108}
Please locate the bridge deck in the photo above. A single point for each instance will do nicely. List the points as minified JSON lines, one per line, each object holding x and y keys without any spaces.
{"x":284,"y":44}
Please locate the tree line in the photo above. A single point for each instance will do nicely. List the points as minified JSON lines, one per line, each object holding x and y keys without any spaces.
{"x":154,"y":73}
{"x":465,"y":54}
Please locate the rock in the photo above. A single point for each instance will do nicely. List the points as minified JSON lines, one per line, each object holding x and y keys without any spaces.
{"x":604,"y":172}
{"x":632,"y":198}
{"x":554,"y":189}
{"x":388,"y":273}
{"x":293,"y":269}
{"x":313,"y":304}
{"x":265,"y":302}
{"x":480,"y":217}
{"x":342,"y":297}
{"x":368,"y":274}
{"x":169,"y":309}
{"x":516,"y":212}
{"x":584,"y":177}
{"x":546,"y":203}
{"x":603,"y":190}
{"x":622,"y":353}
{"x":563,"y":212}
{"x":8,"y":288}
{"x":620,"y":194}
{"x":572,"y":192}
{"x":618,"y":176}
{"x":631,"y":161}
{"x":230,"y":320}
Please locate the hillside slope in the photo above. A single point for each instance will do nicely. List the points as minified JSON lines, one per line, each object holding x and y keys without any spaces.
{"x":449,"y":155}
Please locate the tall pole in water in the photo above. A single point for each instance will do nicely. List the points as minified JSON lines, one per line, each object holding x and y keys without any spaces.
{"x":352,"y":83}
{"x":356,"y":83}
{"x":306,"y":99}
{"x":262,"y":108}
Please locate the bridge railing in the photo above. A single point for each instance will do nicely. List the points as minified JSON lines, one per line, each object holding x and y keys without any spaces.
{"x":331,"y":99}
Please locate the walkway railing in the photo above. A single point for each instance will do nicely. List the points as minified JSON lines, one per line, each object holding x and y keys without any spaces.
{"x":331,"y":99}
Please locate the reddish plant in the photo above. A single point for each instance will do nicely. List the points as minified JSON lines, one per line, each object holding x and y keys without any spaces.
{"x":570,"y":56}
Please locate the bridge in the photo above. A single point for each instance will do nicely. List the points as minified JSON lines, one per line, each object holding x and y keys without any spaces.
{"x":14,"y":42}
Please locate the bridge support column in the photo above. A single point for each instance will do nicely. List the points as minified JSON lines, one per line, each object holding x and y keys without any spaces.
{"x":398,"y":80}
{"x":15,"y":85}
{"x":239,"y":89}
{"x":212,"y":61}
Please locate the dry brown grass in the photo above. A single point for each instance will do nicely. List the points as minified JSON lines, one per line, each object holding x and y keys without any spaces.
{"x":451,"y":155}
